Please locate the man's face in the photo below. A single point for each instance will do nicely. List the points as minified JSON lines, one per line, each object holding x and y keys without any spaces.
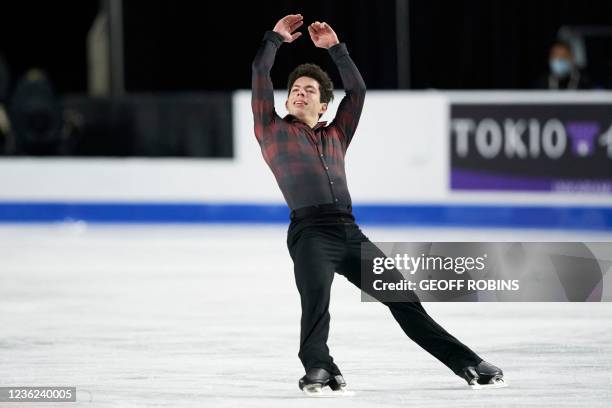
{"x":304,"y":101}
{"x":560,"y":52}
{"x":561,"y":61}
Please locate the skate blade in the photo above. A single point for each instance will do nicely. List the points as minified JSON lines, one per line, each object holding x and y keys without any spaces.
{"x":495,"y":383}
{"x":341,"y":392}
{"x":315,"y":391}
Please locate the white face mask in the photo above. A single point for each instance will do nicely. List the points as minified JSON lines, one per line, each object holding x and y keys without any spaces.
{"x":560,"y":67}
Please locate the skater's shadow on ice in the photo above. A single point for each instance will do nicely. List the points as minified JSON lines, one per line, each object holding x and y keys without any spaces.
{"x":458,"y":388}
{"x":296,"y":396}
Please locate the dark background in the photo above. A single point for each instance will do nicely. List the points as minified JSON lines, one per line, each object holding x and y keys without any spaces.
{"x":198,"y":46}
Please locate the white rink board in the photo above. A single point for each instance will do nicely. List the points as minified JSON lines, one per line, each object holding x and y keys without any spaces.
{"x":399,"y":155}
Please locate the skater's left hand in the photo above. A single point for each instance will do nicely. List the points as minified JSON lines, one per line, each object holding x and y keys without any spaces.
{"x":322,"y":35}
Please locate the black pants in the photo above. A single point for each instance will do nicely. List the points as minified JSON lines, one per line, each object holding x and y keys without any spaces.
{"x":322,"y":242}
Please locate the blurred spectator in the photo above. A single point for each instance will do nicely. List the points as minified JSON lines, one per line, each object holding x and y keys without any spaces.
{"x":609,"y":78}
{"x":6,"y":140}
{"x":564,"y":74}
{"x":36,"y":116}
{"x":4,"y":80}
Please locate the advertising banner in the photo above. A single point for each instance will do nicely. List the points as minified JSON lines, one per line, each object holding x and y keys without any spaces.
{"x":531,"y":147}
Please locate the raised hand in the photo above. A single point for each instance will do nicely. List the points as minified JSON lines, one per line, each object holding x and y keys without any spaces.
{"x":322,"y":35}
{"x":287,"y":25}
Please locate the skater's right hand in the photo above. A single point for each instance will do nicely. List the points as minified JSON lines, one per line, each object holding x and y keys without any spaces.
{"x":287,"y":25}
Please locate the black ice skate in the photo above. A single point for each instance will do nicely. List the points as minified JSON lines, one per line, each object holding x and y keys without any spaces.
{"x":316,"y":379}
{"x":483,"y":376}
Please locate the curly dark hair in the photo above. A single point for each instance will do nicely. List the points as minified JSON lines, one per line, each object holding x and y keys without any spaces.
{"x":326,"y":86}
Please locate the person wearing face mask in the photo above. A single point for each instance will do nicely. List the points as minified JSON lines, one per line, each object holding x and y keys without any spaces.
{"x":563,"y":72}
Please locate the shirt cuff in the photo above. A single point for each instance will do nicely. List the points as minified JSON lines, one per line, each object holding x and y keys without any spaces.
{"x":338,"y":51}
{"x":274,"y":37}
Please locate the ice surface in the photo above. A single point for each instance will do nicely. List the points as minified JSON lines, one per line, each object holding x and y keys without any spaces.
{"x":208,"y":316}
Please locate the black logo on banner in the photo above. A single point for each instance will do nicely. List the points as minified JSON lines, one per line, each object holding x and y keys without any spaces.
{"x":555,"y":147}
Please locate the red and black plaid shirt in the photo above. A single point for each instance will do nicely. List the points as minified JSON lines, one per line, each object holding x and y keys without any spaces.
{"x":308,"y":163}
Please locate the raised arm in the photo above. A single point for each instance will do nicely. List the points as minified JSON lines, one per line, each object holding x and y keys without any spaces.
{"x":349,"y":110}
{"x":262,"y":100}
